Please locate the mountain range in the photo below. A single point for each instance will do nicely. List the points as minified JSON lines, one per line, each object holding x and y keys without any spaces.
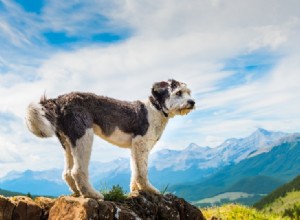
{"x":254,"y":165}
{"x":256,"y":176}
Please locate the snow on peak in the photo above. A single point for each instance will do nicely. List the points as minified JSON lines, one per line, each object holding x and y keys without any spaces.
{"x":233,"y":150}
{"x":263,"y":131}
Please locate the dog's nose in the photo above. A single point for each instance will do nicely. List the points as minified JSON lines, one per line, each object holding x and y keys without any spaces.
{"x":191,"y":102}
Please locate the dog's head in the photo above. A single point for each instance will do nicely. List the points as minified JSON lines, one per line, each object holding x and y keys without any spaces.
{"x":172,"y":98}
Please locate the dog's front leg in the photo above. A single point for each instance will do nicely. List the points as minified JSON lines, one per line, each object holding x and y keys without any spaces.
{"x":139,"y":166}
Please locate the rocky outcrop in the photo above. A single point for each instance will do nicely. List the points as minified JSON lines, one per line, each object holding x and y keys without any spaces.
{"x":142,"y":206}
{"x":24,"y":208}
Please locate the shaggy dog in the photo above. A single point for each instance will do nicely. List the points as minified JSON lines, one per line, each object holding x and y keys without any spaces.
{"x":75,"y":117}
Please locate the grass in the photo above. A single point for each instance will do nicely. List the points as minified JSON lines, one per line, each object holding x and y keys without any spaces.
{"x":164,"y":189}
{"x":238,"y":212}
{"x":280,"y":192}
{"x":283,"y":203}
{"x":116,"y":194}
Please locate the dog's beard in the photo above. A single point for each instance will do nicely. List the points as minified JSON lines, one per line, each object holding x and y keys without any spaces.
{"x":184,"y":111}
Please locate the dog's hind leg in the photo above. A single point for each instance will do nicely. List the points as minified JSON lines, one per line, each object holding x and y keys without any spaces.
{"x":68,"y":164}
{"x":81,"y":155}
{"x":139,"y":166}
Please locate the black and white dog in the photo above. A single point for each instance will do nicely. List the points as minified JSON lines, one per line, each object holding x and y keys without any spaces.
{"x":75,"y":117}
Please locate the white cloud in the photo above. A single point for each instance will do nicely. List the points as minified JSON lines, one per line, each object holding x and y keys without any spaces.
{"x":173,"y":39}
{"x":16,"y":36}
{"x":9,"y":153}
{"x":270,"y":103}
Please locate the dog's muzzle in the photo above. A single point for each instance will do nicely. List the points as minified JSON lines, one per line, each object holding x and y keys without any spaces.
{"x":189,"y":107}
{"x":191,"y":103}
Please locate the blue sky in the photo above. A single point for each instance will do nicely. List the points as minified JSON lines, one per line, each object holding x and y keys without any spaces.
{"x":240,"y":59}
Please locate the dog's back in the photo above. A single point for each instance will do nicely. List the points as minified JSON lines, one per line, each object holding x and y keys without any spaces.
{"x":75,"y":112}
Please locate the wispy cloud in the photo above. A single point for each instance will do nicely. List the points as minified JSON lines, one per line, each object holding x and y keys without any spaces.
{"x":9,"y":153}
{"x":241,"y":63}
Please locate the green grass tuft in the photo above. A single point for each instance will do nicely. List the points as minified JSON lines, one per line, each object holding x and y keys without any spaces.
{"x":164,"y":189}
{"x":116,"y":194}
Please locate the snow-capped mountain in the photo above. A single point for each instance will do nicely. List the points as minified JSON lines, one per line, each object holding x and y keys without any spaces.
{"x":236,"y":150}
{"x":256,"y":175}
{"x":231,"y":151}
{"x":179,"y":166}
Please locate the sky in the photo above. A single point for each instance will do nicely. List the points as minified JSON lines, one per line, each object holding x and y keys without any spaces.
{"x":240,"y":59}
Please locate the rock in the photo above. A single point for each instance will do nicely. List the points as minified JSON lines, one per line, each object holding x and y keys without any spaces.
{"x":142,"y":206}
{"x":68,"y":207}
{"x":150,"y":206}
{"x":6,"y":208}
{"x":46,"y":204}
{"x":25,"y":208}
{"x":20,"y":207}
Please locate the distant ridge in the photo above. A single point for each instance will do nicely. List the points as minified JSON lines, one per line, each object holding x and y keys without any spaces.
{"x":10,"y":193}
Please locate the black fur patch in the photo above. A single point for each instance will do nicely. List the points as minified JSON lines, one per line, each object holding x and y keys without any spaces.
{"x":160,"y":92}
{"x":174,"y":84}
{"x":75,"y":112}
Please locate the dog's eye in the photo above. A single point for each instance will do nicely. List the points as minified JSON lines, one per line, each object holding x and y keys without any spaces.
{"x":179,"y":93}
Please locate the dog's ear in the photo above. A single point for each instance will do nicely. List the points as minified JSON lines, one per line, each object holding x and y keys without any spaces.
{"x":160,"y":90}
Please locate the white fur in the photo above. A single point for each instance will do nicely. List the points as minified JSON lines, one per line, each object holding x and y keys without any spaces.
{"x":80,"y":173}
{"x":118,"y":137}
{"x":141,"y":147}
{"x":37,"y":122}
{"x":178,"y":105}
{"x":77,"y":157}
{"x":69,"y":163}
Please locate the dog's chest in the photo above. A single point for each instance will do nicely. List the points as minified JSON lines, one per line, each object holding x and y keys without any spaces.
{"x":157,"y":126}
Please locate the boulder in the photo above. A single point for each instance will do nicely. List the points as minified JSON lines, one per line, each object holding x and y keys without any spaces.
{"x":6,"y":208}
{"x":140,"y":206}
{"x":19,"y":207}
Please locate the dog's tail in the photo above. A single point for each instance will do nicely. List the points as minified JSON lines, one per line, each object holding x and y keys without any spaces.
{"x":37,"y":122}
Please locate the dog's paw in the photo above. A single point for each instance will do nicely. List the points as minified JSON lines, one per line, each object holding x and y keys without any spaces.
{"x":94,"y":195}
{"x":77,"y":194}
{"x":151,"y":189}
{"x":154,"y":190}
{"x":134,"y":193}
{"x":134,"y":186}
